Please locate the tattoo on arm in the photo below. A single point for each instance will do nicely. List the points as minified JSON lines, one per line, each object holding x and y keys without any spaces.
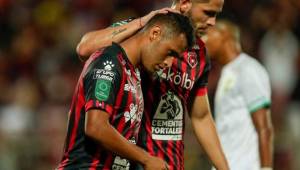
{"x":116,"y":32}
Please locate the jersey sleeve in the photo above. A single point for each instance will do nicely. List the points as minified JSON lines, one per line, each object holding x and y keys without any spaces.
{"x":101,"y":83}
{"x":255,"y":89}
{"x":201,"y":84}
{"x":123,"y":22}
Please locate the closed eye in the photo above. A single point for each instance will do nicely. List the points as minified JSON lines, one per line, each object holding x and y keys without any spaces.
{"x":173,"y":54}
{"x":211,"y":13}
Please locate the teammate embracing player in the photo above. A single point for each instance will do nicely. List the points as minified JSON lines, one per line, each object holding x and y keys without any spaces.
{"x":174,"y":91}
{"x":107,"y":105}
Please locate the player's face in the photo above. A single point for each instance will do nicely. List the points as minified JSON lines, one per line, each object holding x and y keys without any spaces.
{"x":213,"y":42}
{"x":159,"y":53}
{"x":203,"y":15}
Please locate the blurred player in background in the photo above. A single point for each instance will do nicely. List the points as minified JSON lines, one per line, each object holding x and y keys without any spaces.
{"x":242,"y":102}
{"x":107,"y":107}
{"x":172,"y":92}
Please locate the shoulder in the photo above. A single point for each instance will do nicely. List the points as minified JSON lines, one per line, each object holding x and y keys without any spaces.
{"x":252,"y":66}
{"x":106,"y":61}
{"x":109,"y":58}
{"x":249,"y":69}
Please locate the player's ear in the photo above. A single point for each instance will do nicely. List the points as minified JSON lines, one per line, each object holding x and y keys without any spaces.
{"x":155,"y":33}
{"x":185,"y":6}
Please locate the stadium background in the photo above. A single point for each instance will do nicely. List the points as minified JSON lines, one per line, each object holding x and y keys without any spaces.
{"x":39,"y":70}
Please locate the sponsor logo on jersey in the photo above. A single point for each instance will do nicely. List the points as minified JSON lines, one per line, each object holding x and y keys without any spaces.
{"x":179,"y":79}
{"x":103,"y":74}
{"x":121,"y":163}
{"x":130,"y":87}
{"x":226,"y":85}
{"x":108,"y":65}
{"x":106,"y":73}
{"x":134,"y":114}
{"x":167,"y":122}
{"x":128,"y":72}
{"x":104,"y":81}
{"x":131,"y":114}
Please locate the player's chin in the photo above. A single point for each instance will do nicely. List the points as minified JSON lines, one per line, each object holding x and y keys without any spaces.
{"x":159,"y":67}
{"x":201,"y":32}
{"x":151,"y":69}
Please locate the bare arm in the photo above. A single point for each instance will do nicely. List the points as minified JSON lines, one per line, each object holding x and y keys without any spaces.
{"x":206,"y":133}
{"x":95,"y":40}
{"x":98,"y":39}
{"x":97,"y":127}
{"x":263,"y":125}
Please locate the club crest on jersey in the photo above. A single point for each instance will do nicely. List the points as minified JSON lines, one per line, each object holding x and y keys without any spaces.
{"x":192,"y":59}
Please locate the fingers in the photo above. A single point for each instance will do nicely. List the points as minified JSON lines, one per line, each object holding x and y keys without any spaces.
{"x":166,"y":10}
{"x":146,"y":18}
{"x":173,"y":10}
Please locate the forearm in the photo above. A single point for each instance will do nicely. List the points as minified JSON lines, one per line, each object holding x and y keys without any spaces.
{"x":95,"y":40}
{"x":264,"y":128}
{"x":206,"y":133}
{"x":113,"y":141}
{"x":265,"y":138}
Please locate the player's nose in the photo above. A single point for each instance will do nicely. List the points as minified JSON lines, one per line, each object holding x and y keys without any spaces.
{"x":168,"y":62}
{"x":211,"y":21}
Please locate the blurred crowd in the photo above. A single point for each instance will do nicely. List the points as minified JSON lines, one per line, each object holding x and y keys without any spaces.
{"x":39,"y":70}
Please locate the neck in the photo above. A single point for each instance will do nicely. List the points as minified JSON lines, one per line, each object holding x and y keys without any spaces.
{"x":132,"y":47}
{"x":229,"y":54}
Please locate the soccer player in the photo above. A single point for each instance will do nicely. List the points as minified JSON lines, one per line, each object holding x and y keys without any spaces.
{"x":107,"y":107}
{"x":172,"y":92}
{"x":242,"y":102}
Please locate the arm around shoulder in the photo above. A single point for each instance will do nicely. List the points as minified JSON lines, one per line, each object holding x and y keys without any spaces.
{"x":94,"y":40}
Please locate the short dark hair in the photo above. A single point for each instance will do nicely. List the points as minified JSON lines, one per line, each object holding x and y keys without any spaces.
{"x":175,"y":24}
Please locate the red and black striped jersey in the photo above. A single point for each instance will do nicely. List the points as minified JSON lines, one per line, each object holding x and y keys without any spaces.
{"x":108,"y":82}
{"x":169,"y":95}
